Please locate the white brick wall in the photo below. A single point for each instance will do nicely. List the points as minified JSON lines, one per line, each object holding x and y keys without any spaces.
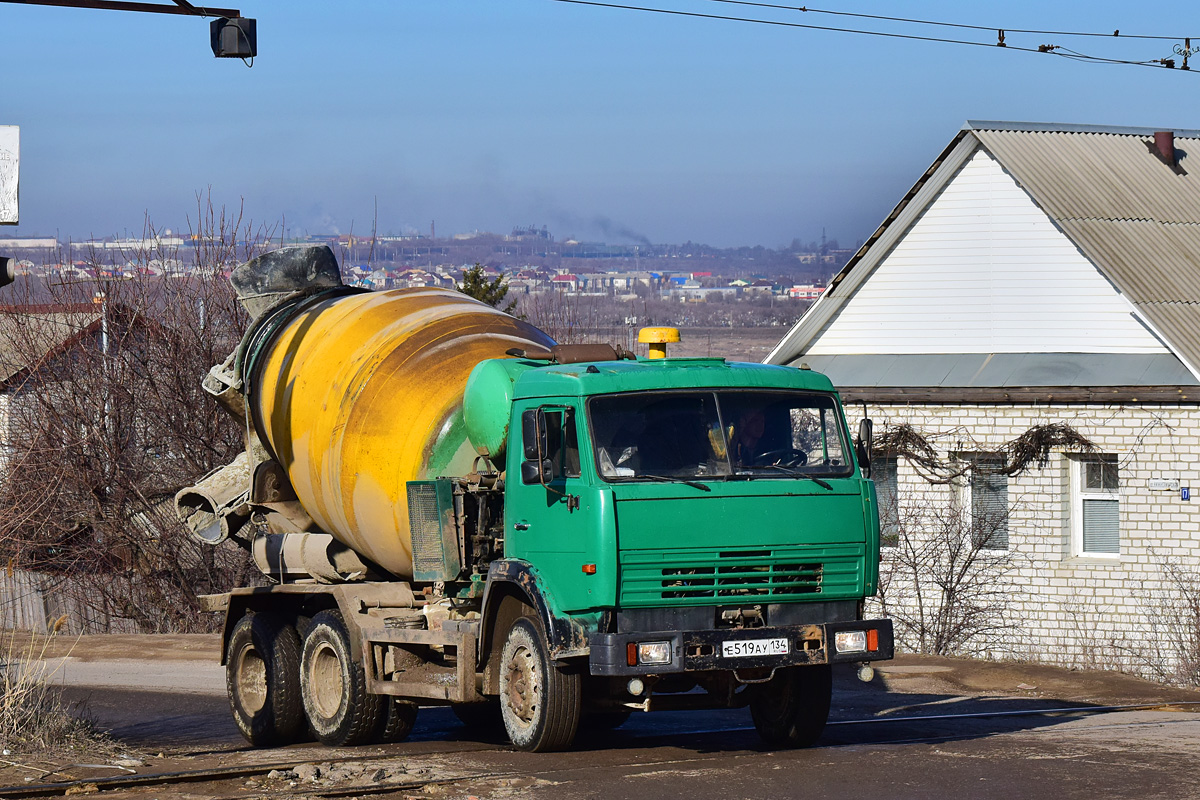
{"x":1065,"y":608}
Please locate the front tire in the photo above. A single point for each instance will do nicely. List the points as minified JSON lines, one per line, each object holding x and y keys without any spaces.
{"x":262,"y":674}
{"x":334,"y":686}
{"x":539,"y":702}
{"x":791,"y":709}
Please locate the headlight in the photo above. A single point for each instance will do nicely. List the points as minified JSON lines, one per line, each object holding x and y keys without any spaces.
{"x":850,"y":641}
{"x":654,"y":652}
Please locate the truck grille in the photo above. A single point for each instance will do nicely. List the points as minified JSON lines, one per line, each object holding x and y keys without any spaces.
{"x":786,"y":574}
{"x":734,"y":576}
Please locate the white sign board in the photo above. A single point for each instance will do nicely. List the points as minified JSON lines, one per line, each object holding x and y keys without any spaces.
{"x":10,"y":163}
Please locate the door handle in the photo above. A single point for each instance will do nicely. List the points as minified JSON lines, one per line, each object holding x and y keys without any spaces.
{"x":520,"y":526}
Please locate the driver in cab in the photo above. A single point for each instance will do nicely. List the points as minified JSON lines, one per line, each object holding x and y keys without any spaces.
{"x":747,"y":438}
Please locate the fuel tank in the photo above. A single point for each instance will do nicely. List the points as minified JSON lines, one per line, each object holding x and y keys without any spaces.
{"x":357,"y":394}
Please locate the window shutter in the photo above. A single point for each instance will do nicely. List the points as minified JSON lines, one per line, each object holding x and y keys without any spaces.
{"x":989,"y":508}
{"x":1101,"y":526}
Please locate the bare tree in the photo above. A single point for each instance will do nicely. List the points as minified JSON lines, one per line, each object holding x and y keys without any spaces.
{"x":107,"y":421}
{"x":573,"y":319}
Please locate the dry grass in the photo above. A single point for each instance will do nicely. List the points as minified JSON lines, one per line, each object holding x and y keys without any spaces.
{"x":33,"y":716}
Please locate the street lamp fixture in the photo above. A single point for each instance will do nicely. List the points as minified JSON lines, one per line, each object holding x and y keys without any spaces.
{"x":233,"y":36}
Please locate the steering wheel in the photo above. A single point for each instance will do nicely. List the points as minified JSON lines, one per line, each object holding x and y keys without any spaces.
{"x":784,"y":457}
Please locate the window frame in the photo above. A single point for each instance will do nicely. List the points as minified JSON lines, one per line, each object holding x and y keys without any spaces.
{"x":568,"y":433}
{"x":835,"y":425}
{"x":1080,"y":495}
{"x":973,"y":460}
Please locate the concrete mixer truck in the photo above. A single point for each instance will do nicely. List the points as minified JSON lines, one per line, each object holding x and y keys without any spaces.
{"x":449,"y":508}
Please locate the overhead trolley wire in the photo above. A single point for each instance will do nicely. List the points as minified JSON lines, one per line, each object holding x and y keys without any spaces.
{"x":1159,"y":63}
{"x":882,"y":18}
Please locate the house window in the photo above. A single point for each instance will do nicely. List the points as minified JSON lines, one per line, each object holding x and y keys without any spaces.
{"x":989,"y":502}
{"x":883,"y":472}
{"x":1095,"y":506}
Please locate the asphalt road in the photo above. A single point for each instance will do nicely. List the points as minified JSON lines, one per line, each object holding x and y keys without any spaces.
{"x":900,"y":737}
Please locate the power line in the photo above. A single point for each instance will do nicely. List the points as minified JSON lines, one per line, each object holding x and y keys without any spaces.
{"x":1114,"y":34}
{"x":1163,"y":63}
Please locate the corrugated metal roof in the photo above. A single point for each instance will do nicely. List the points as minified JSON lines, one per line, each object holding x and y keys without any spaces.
{"x":30,"y":334}
{"x":1134,"y":216}
{"x":1100,"y":175}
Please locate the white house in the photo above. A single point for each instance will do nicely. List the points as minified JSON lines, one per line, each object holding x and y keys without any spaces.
{"x":1037,"y":290}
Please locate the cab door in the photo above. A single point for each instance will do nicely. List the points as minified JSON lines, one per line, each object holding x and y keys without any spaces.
{"x":554,"y":515}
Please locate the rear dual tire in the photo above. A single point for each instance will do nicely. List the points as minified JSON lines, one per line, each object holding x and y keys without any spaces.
{"x":262,"y":674}
{"x":333,"y":686}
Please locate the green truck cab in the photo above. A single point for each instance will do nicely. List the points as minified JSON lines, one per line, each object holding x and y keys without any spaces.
{"x":681,"y":523}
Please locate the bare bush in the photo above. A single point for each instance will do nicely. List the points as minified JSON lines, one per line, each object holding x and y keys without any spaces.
{"x":32,"y":715}
{"x":1171,"y":650}
{"x":946,"y":589}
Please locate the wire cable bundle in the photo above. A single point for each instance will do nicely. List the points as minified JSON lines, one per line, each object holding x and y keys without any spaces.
{"x":1182,"y":47}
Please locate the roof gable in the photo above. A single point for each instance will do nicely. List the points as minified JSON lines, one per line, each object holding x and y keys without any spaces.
{"x":1133,"y":216}
{"x":984,"y":270}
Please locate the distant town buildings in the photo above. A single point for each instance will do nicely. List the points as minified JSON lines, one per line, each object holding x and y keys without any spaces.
{"x":531,"y":259}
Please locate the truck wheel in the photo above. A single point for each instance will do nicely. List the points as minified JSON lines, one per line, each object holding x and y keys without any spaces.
{"x":334,"y":687}
{"x":790,"y":710}
{"x":539,"y":702}
{"x":262,"y":674}
{"x":398,"y":720}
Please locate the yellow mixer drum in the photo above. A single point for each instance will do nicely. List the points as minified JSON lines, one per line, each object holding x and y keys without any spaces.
{"x":358,"y":394}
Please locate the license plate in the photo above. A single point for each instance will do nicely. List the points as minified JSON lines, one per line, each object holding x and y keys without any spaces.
{"x":755,"y":647}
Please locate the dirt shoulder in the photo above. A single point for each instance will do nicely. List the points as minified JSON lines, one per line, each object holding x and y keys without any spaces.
{"x":112,"y":647}
{"x":915,"y":674}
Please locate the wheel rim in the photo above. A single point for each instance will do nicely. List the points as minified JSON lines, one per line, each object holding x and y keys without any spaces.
{"x":251,"y":681}
{"x":326,"y":677}
{"x":523,"y":686}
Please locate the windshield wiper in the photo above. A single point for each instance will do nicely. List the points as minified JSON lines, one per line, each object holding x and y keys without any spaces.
{"x":665,"y":479}
{"x":792,"y":473}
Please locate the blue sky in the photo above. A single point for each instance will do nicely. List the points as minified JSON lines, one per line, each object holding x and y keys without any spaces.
{"x":487,"y":114}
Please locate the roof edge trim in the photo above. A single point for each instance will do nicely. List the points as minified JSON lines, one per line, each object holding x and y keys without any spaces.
{"x":1056,"y":127}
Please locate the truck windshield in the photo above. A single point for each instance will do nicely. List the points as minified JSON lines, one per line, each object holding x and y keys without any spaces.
{"x":727,"y":434}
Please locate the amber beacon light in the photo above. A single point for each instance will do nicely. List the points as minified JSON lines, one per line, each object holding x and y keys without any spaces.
{"x":658,"y":339}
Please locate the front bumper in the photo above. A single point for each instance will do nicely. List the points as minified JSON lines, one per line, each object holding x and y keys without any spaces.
{"x":702,"y":650}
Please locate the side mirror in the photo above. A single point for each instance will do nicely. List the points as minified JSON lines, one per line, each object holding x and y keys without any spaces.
{"x":862,"y":447}
{"x":533,"y":471}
